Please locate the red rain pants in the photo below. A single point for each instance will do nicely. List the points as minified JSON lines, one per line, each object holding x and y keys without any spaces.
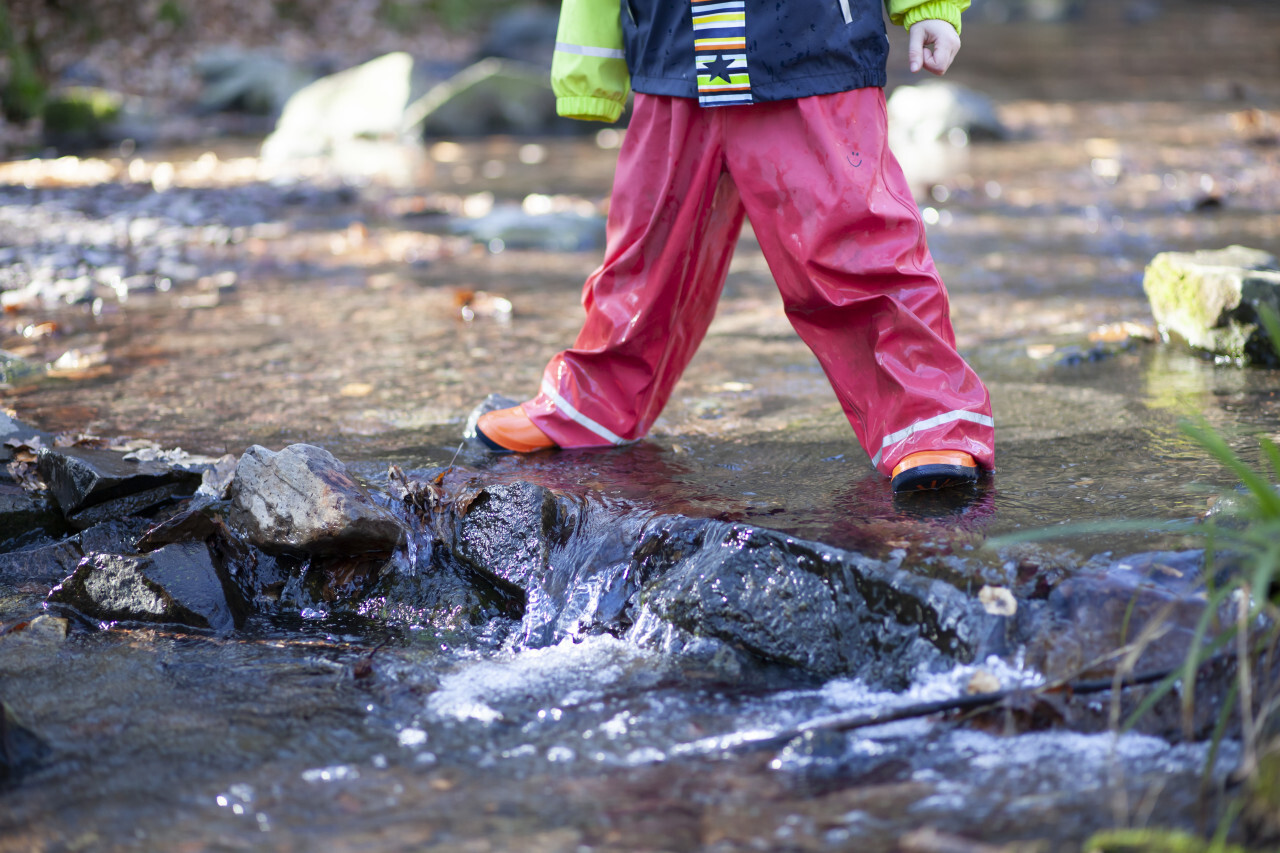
{"x":843,"y":239}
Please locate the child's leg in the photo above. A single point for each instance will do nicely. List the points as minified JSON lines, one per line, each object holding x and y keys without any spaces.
{"x":674,"y":219}
{"x":845,"y":242}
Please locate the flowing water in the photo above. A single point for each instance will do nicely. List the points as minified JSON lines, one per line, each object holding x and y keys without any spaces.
{"x":352,"y":318}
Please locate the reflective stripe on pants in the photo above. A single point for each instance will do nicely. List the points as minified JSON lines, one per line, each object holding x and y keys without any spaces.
{"x":843,"y":239}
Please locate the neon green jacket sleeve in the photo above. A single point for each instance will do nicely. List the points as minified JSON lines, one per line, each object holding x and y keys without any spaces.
{"x":908,"y":12}
{"x":589,"y":68}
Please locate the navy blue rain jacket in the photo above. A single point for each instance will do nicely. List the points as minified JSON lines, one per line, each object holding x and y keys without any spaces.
{"x":794,"y":49}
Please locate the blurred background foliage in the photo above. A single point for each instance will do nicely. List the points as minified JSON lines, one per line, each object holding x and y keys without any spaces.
{"x":41,"y":39}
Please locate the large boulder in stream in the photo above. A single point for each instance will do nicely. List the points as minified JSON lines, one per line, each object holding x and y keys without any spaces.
{"x":1211,"y":300}
{"x":586,"y":566}
{"x":302,"y":500}
{"x":177,"y":584}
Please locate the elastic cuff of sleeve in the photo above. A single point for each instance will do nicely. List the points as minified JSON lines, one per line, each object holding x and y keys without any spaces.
{"x":589,"y":109}
{"x":934,"y":10}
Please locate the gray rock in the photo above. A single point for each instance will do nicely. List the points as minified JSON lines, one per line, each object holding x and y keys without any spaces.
{"x":177,"y":584}
{"x":491,"y":96}
{"x":942,"y":111}
{"x":366,"y":101}
{"x":303,"y":500}
{"x":1210,"y":299}
{"x":84,"y":479}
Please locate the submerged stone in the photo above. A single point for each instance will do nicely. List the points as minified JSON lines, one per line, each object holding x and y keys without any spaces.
{"x":303,"y":500}
{"x":177,"y":584}
{"x":1211,"y":299}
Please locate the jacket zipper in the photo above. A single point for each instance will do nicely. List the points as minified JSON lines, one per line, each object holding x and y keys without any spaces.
{"x":848,"y":15}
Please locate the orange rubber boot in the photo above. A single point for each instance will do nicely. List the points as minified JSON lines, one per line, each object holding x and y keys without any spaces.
{"x":934,"y":469}
{"x":510,"y":430}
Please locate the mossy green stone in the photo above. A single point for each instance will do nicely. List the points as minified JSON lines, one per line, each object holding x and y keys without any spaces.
{"x":1209,"y":298}
{"x":81,"y":110}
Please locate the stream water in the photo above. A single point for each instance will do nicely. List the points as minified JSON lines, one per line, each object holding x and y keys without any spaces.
{"x":351,"y":317}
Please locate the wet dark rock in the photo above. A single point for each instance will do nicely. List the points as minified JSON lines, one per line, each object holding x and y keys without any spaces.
{"x":82,"y":479}
{"x":508,"y":532}
{"x":1086,"y":618}
{"x":132,"y":504}
{"x":23,"y":513}
{"x":821,"y":609}
{"x":586,"y":566}
{"x":1211,"y":299}
{"x":943,"y":111}
{"x":20,"y":748}
{"x":178,"y":584}
{"x":492,"y":96}
{"x":303,"y":500}
{"x":257,"y":576}
{"x":43,"y":566}
{"x":439,"y":593}
{"x":46,"y":563}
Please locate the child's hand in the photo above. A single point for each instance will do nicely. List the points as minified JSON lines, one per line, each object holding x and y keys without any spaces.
{"x":932,"y":46}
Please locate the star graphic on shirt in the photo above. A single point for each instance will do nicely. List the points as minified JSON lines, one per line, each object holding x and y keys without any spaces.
{"x":718,"y":68}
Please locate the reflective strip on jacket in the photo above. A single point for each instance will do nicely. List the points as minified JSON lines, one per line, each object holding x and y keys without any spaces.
{"x":589,"y":68}
{"x":794,"y":49}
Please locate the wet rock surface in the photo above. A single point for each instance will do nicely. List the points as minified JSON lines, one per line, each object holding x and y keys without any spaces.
{"x":177,"y":584}
{"x":92,"y":485}
{"x":303,"y":499}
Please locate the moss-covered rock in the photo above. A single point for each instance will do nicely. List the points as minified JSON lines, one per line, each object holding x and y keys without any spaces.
{"x":81,"y":116}
{"x":1210,"y":299}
